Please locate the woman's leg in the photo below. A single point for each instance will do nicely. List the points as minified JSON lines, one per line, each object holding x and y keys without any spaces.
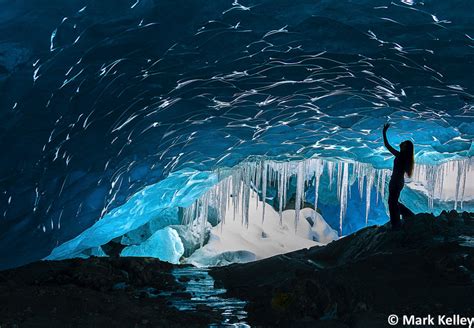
{"x":394,"y":193}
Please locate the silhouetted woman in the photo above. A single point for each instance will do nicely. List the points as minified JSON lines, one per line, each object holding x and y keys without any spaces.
{"x":403,"y":164}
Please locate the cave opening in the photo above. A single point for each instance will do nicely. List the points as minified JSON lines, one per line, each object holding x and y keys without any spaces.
{"x":261,"y":208}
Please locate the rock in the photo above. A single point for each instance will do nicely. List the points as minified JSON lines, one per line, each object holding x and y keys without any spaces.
{"x":424,"y":268}
{"x":184,"y":279}
{"x":91,"y":292}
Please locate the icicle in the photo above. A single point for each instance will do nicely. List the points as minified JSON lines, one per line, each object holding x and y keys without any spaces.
{"x":245,"y":196}
{"x":460,"y":180}
{"x":258,"y":173}
{"x":286,"y":182}
{"x":280,"y":194}
{"x":442,"y":173}
{"x":242,"y":201}
{"x":382,"y":188}
{"x":264,"y":188}
{"x":203,"y":215}
{"x":361,"y":172}
{"x":299,"y":191}
{"x":188,"y":214}
{"x":377,"y":187}
{"x":368,"y":189}
{"x":330,"y":173}
{"x":463,"y":180}
{"x":339,"y":179}
{"x":318,"y":170}
{"x":343,"y":196}
{"x":223,"y":199}
{"x":352,"y":179}
{"x":431,"y":178}
{"x":236,"y":190}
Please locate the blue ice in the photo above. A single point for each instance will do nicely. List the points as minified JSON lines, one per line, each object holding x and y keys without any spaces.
{"x":165,"y":244}
{"x":179,"y":189}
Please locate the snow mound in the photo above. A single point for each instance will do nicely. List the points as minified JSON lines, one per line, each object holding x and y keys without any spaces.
{"x":233,"y":242}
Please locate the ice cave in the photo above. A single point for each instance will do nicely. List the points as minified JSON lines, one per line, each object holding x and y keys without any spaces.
{"x":220,"y":138}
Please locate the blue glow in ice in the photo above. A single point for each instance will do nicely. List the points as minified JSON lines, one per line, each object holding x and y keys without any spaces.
{"x":165,"y":244}
{"x":179,"y":189}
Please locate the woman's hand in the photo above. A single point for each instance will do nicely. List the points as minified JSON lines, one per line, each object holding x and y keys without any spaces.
{"x":385,"y":140}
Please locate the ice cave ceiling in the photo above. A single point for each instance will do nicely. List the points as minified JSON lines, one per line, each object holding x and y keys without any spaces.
{"x":102,"y":98}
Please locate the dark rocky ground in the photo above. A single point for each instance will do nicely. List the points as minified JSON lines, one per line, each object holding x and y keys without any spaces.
{"x":426,"y":268}
{"x":96,"y":292}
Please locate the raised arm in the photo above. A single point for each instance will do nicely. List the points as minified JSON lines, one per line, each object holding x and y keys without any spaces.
{"x":385,"y":141}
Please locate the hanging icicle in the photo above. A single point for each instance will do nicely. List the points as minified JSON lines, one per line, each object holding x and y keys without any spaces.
{"x":264,"y":188}
{"x":343,"y":196}
{"x":444,"y":182}
{"x":368,"y":192}
{"x":299,"y":191}
{"x":318,"y":171}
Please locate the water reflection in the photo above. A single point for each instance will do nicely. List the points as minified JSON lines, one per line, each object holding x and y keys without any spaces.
{"x":200,"y":285}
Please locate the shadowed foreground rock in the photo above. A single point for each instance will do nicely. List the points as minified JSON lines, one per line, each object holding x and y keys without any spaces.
{"x":95,"y":292}
{"x":427,"y":268}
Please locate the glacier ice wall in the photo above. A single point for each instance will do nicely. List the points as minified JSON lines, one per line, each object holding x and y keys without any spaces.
{"x":103,"y":98}
{"x":231,"y":195}
{"x":180,"y":189}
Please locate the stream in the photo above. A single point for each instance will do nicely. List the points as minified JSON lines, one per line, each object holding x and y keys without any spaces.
{"x":200,"y":285}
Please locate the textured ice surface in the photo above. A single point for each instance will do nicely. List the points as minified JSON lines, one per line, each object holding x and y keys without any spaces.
{"x":180,"y":189}
{"x":166,"y":217}
{"x":193,"y":235}
{"x":164,"y":244}
{"x":104,"y":98}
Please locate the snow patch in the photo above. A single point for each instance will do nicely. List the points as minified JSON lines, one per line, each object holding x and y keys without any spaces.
{"x":235,"y":242}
